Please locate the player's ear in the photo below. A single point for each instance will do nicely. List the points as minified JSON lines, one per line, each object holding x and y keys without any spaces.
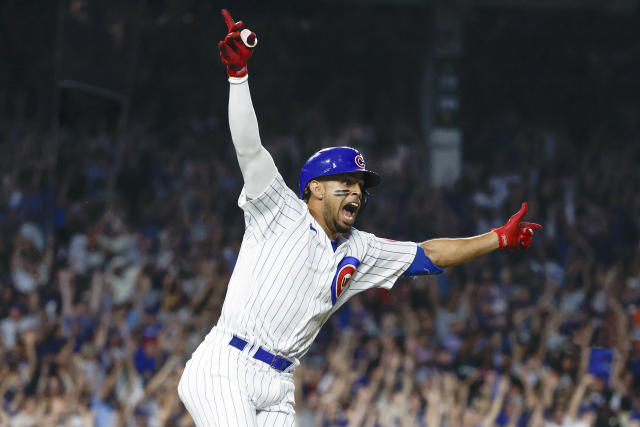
{"x":317,"y":189}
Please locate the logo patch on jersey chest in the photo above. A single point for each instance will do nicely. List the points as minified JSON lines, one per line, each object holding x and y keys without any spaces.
{"x":346,"y":269}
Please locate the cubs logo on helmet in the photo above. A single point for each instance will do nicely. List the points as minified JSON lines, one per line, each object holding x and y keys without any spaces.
{"x":360,"y":161}
{"x":345,"y":271}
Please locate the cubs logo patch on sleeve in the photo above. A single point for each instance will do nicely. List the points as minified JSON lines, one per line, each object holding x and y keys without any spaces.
{"x":344,"y":272}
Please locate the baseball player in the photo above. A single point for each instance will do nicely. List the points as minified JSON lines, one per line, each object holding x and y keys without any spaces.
{"x":300,"y":260}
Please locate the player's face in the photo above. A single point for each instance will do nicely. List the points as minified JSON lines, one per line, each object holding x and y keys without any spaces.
{"x":342,"y":201}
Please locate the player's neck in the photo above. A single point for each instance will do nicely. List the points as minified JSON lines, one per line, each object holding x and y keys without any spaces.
{"x":316,"y":212}
{"x":332,"y":236}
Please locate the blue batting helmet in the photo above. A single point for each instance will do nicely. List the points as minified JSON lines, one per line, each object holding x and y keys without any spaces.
{"x":335,"y":160}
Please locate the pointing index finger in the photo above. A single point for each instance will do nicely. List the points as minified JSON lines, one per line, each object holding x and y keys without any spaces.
{"x":227,"y":19}
{"x":532,"y":225}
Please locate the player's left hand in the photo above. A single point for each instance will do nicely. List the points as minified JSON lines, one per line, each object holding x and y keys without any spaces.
{"x":237,"y":46}
{"x":516,"y":234}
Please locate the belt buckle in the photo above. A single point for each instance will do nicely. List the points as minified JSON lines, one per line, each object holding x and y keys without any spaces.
{"x":274,"y":360}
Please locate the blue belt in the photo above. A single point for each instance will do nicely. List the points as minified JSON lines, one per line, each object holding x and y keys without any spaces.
{"x":276,"y":362}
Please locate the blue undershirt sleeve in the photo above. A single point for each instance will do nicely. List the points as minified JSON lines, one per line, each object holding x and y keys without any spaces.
{"x":422,"y":265}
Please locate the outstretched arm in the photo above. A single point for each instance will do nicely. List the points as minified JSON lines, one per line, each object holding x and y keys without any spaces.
{"x":451,"y":252}
{"x":256,"y":164}
{"x":514,"y":235}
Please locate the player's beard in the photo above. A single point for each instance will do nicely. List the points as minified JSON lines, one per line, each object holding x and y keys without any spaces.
{"x":332,"y":216}
{"x":341,"y":228}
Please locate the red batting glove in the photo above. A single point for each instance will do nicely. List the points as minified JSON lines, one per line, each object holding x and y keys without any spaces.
{"x":233,"y":51}
{"x":515,"y":234}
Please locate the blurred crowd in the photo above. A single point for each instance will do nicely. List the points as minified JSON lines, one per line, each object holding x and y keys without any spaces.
{"x":114,"y":265}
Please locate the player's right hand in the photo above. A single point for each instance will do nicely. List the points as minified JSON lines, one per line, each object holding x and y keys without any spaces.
{"x":516,"y":234}
{"x":234,"y":49}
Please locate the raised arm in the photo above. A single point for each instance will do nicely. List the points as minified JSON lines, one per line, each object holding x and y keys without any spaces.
{"x":515,"y":234}
{"x":256,"y":164}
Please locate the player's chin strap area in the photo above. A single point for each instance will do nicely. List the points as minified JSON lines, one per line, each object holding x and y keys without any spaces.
{"x":364,"y":200}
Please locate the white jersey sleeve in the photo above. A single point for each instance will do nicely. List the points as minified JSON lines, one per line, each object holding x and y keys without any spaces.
{"x":386,"y":260}
{"x":369,"y":262}
{"x":274,"y":210}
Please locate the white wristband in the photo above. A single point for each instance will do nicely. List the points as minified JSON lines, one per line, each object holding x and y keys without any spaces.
{"x":238,"y":80}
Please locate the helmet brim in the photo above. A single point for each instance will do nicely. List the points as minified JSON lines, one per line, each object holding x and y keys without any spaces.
{"x":371,"y":178}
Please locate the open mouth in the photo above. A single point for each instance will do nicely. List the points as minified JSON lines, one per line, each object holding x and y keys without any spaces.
{"x":349,"y":212}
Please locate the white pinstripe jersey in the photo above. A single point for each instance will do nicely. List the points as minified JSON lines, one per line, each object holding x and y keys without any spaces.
{"x":288,"y":280}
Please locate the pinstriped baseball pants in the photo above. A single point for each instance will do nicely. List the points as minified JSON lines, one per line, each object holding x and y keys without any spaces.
{"x":223,"y":386}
